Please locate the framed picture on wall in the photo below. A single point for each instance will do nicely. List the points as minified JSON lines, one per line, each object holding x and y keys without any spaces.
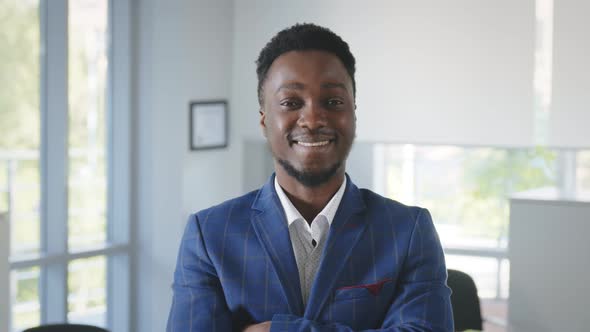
{"x":208,"y":124}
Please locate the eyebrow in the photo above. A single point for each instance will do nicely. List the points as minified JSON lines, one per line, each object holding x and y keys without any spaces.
{"x":300,"y":86}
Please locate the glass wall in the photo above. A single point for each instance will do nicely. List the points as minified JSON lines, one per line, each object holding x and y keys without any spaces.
{"x":58,"y":277}
{"x":20,"y":122}
{"x":87,"y":70}
{"x":467,"y":191}
{"x":467,"y":188}
{"x":20,"y":119}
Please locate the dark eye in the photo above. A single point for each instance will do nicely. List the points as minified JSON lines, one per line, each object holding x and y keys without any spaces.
{"x":333,"y":102}
{"x":290,"y":104}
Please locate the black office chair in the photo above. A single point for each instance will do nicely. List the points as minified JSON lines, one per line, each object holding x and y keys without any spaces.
{"x":465,"y":302}
{"x":65,"y":328}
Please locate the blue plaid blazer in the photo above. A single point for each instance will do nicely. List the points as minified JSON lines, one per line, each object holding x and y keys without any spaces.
{"x":382,"y":269}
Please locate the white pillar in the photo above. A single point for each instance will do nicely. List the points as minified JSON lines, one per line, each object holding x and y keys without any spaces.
{"x":4,"y":272}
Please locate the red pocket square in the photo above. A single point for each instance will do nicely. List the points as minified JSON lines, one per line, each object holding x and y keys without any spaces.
{"x":372,"y":288}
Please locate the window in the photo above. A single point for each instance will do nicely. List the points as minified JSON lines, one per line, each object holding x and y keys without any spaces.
{"x":20,"y":123}
{"x":59,"y":119}
{"x":87,"y":69}
{"x":467,"y":190}
{"x":583,"y":172}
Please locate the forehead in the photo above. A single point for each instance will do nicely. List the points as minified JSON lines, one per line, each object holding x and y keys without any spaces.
{"x":307,"y":67}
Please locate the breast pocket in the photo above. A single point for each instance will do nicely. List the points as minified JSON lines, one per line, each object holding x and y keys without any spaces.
{"x":362,"y":306}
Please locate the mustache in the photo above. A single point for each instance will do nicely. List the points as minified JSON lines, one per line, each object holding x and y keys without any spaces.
{"x":315,"y":134}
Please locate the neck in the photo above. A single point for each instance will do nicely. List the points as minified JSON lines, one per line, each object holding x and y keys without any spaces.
{"x":309,"y":201}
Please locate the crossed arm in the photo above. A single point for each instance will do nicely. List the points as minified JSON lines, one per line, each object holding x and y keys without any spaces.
{"x":421,"y":302}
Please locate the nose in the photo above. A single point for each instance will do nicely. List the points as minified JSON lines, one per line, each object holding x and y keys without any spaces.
{"x":312,"y":117}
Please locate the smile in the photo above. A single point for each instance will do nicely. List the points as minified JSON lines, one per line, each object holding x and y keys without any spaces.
{"x":313,"y":144}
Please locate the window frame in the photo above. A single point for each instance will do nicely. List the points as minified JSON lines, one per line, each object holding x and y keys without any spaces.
{"x":55,"y":256}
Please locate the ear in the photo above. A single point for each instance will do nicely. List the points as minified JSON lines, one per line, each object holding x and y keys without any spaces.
{"x":262,"y":121}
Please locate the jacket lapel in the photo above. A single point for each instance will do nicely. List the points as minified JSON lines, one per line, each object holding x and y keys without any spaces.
{"x":346,"y":229}
{"x":269,"y":223}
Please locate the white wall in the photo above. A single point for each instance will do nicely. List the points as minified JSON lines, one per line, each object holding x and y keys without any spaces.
{"x":457,"y":72}
{"x":184,"y":50}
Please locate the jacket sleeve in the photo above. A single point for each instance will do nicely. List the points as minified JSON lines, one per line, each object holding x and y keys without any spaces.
{"x":422,"y":300}
{"x":198,"y":302}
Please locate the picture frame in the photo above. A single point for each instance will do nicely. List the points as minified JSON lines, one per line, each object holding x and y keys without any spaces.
{"x":208,"y":127}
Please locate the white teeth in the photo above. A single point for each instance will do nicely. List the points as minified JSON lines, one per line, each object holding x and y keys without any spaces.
{"x":310,"y":144}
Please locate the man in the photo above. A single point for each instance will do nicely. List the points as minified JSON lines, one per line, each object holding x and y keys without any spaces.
{"x":310,"y":251}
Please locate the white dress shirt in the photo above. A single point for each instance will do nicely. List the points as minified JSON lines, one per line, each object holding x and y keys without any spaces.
{"x":308,"y":241}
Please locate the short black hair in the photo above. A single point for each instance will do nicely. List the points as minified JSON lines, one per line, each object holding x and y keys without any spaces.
{"x":302,"y":37}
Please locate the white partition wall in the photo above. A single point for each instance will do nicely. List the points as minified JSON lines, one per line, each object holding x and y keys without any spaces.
{"x":549,"y":263}
{"x":570,"y":107}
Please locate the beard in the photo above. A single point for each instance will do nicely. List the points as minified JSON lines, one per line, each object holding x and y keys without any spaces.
{"x":310,"y":179}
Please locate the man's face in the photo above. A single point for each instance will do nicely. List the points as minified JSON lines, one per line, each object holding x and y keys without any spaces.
{"x":308,"y":115}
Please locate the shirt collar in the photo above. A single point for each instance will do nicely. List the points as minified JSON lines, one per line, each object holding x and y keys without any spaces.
{"x":329,"y":211}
